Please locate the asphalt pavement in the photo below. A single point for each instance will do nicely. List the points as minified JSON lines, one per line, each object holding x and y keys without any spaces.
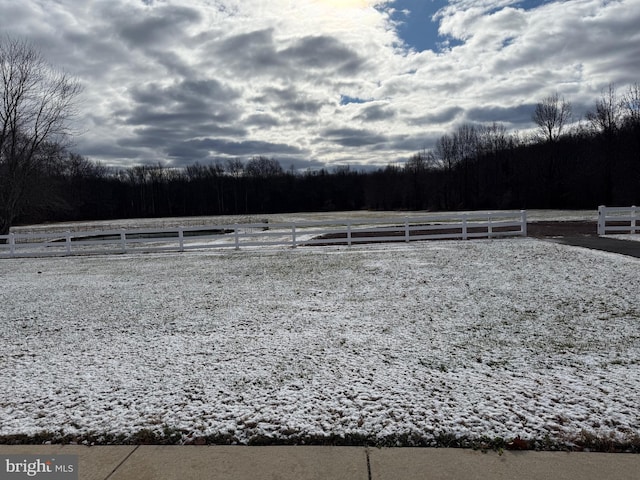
{"x":630,"y":248}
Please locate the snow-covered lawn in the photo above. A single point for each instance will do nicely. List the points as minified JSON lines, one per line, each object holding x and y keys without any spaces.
{"x":410,"y":343}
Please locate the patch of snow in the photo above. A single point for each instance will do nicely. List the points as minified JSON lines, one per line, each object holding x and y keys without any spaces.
{"x":485,"y":338}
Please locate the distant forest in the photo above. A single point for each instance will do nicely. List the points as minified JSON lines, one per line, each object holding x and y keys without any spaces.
{"x":474,"y":167}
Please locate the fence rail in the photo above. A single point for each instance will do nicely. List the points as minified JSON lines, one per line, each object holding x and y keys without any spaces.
{"x":236,"y":236}
{"x":618,"y":220}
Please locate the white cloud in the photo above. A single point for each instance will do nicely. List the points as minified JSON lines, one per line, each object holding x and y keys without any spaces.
{"x":180,"y":81}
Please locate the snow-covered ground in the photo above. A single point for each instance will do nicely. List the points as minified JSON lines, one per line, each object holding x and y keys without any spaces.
{"x":513,"y":337}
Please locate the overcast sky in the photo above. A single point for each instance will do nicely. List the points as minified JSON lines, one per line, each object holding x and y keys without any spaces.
{"x":319,"y":82}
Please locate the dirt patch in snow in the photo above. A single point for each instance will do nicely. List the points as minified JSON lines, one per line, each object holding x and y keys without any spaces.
{"x":561,"y":229}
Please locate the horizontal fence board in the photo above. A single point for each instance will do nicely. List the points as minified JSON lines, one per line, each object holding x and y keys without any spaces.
{"x":620,"y":228}
{"x":621,"y":210}
{"x":620,"y":219}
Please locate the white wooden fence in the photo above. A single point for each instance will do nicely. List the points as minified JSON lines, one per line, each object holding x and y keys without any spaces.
{"x":236,"y":236}
{"x":618,"y":220}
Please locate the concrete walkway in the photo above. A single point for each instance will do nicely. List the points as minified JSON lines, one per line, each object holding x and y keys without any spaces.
{"x":605,"y":244}
{"x":319,"y":463}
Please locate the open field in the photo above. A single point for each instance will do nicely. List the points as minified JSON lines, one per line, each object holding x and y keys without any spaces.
{"x":532,"y":215}
{"x":428,"y":343}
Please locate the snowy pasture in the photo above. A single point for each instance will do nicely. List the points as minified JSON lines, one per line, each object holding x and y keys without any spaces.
{"x":172,"y":222}
{"x":403,"y":344}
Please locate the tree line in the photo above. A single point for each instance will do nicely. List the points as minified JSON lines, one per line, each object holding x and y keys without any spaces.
{"x":566,"y":164}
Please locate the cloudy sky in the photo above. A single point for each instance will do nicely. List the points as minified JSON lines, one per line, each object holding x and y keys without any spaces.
{"x":319,"y":82}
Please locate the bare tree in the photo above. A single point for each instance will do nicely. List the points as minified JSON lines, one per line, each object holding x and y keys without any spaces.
{"x":466,"y":142}
{"x":36,"y":106}
{"x":445,"y":151}
{"x":75,"y":166}
{"x":607,"y":116}
{"x":551,"y":116}
{"x":421,"y":162}
{"x":493,"y":138}
{"x":234,"y":167}
{"x":631,"y":105}
{"x":263,"y":167}
{"x":607,"y":119}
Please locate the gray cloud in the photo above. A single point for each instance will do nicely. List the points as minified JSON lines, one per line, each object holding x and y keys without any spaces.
{"x":354,"y":137}
{"x":256,"y":53}
{"x":179,"y":112}
{"x":111,"y":152}
{"x":440,"y":116}
{"x":252,"y":53}
{"x":210,"y":146}
{"x":324,"y":53}
{"x":262,"y":120}
{"x":208,"y":98}
{"x":159,"y":26}
{"x":163,"y":136}
{"x":374,"y":113}
{"x":290,"y":100}
{"x":409,"y":144}
{"x":517,"y":115}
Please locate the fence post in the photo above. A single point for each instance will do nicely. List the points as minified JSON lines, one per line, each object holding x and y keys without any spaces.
{"x":68,"y":242}
{"x":464,"y":227}
{"x":602,"y":219}
{"x":236,"y":235}
{"x":523,"y":222}
{"x":123,"y":240}
{"x":293,"y":235}
{"x":406,"y":229}
{"x":634,"y":222}
{"x":12,"y":244}
{"x":349,"y":233}
{"x":489,"y":226}
{"x":181,"y":238}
